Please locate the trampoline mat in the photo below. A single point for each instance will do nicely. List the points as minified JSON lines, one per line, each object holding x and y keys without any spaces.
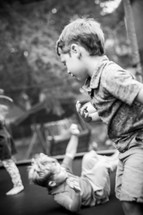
{"x":35,"y":200}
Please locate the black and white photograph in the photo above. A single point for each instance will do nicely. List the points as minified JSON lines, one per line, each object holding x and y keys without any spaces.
{"x":71,"y":107}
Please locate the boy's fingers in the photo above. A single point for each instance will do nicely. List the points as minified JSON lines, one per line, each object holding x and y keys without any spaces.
{"x":83,"y":110}
{"x":74,"y":128}
{"x":86,"y":115}
{"x":78,"y":106}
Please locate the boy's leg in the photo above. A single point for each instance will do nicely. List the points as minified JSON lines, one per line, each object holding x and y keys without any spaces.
{"x":13,"y":171}
{"x":89,"y":160}
{"x":112,"y":161}
{"x":95,"y":170}
{"x":129,"y":181}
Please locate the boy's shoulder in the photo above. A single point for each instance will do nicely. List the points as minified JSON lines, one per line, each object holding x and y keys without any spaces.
{"x":113,"y":72}
{"x":112,"y":69}
{"x":106,"y":71}
{"x":64,"y":187}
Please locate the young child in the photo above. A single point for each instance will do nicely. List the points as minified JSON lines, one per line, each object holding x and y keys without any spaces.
{"x":70,"y":191}
{"x":7,"y":149}
{"x":118,"y":99}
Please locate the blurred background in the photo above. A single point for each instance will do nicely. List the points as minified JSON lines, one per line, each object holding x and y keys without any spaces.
{"x":33,"y":76}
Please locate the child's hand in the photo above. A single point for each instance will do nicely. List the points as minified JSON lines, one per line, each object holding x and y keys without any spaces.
{"x":73,"y":184}
{"x":83,"y":111}
{"x":74,"y":130}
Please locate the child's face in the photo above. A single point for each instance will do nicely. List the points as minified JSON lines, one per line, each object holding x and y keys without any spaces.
{"x":74,"y":65}
{"x":59,"y":173}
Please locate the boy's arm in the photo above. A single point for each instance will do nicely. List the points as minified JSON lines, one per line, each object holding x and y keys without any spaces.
{"x":139,"y":97}
{"x":71,"y":147}
{"x":71,"y":203}
{"x":122,"y":85}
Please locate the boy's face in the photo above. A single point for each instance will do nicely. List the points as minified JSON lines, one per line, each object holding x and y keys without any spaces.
{"x":74,"y":64}
{"x":59,"y":173}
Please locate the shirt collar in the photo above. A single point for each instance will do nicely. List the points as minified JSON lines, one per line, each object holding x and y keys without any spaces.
{"x":93,"y":81}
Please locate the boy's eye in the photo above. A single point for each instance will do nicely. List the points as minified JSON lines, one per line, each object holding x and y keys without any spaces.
{"x":53,"y":162}
{"x":64,"y":63}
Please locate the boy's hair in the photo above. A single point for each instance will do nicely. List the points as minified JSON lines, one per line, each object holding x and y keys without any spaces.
{"x":39,"y":178}
{"x":39,"y":174}
{"x":85,"y":32}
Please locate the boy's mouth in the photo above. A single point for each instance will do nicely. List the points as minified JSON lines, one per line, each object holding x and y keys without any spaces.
{"x":72,"y":75}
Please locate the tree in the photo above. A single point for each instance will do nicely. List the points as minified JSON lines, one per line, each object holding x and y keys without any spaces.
{"x":28,"y":31}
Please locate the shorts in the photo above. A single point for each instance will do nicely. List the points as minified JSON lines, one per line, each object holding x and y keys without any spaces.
{"x":129,"y":176}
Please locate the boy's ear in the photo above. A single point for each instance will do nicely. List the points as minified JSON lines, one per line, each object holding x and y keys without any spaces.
{"x":52,"y":183}
{"x":75,"y":49}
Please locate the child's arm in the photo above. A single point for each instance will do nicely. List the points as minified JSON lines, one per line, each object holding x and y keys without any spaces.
{"x":71,"y":147}
{"x":139,"y":97}
{"x":73,"y":142}
{"x":71,"y":202}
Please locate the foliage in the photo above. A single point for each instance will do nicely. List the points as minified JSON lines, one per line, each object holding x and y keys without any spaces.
{"x":28,"y":32}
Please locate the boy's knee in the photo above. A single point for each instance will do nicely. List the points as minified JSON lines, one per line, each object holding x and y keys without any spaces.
{"x":87,"y":162}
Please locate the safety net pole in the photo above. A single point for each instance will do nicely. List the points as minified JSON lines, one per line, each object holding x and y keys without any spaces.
{"x":129,"y":21}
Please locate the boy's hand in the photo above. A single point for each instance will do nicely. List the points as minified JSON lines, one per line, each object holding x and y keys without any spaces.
{"x":83,"y":111}
{"x":74,"y":130}
{"x":73,"y":184}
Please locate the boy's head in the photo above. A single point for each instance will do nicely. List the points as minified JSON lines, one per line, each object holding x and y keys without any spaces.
{"x":80,"y":36}
{"x":85,"y":32}
{"x":46,"y":171}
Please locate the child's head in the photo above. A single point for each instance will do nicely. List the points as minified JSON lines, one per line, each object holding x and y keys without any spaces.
{"x":82,"y":37}
{"x":46,"y":171}
{"x":85,"y":32}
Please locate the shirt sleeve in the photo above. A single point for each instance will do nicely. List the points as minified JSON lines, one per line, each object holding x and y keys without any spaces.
{"x":121,"y":84}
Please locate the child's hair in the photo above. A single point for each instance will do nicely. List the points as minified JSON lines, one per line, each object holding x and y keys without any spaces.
{"x":39,"y":173}
{"x":85,"y":32}
{"x":39,"y":178}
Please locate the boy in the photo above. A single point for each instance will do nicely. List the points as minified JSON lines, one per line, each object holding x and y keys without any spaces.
{"x":70,"y":191}
{"x":118,"y":100}
{"x":7,"y":148}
